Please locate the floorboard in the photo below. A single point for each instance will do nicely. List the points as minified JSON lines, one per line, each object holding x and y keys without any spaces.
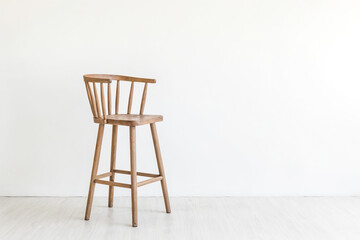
{"x":267,"y":218}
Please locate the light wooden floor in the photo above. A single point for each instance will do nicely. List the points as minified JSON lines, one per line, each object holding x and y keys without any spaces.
{"x":221,"y":218}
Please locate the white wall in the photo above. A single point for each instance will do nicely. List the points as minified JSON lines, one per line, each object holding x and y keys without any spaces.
{"x":259,"y":97}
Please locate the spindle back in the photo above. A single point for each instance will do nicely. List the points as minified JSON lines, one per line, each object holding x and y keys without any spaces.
{"x":93,"y":82}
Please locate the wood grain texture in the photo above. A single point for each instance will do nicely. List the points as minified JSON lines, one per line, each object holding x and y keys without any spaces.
{"x":96,"y":80}
{"x":117,"y":184}
{"x":109,"y":99}
{"x":148,"y":181}
{"x":143,"y":99}
{"x":106,"y":78}
{"x":97,"y":104}
{"x":130,"y":98}
{"x":133,"y":119}
{"x":103,"y":175}
{"x":160,"y":166}
{"x":113,"y":163}
{"x":117,"y":97}
{"x":101,"y":109}
{"x":94,"y":171}
{"x":91,"y":98}
{"x":133,"y":176}
{"x":103,"y":103}
{"x":137,"y":173}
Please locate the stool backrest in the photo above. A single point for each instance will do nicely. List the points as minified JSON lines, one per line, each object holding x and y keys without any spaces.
{"x":92,"y":80}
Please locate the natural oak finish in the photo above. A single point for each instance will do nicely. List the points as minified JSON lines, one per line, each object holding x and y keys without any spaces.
{"x":112,"y":164}
{"x":97,"y":105}
{"x":143,"y":100}
{"x":137,"y":173}
{"x":101,"y":108}
{"x":107,"y":78}
{"x":130,"y":97}
{"x":117,"y":97}
{"x":133,"y":119}
{"x":103,"y":175}
{"x":124,"y":185}
{"x":151,"y":180}
{"x":160,"y":166}
{"x":94,"y":171}
{"x":133,"y":175}
{"x":109,"y":98}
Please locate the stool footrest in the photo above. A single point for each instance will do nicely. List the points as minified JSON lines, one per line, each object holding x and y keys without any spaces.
{"x":153,"y":178}
{"x":137,"y":173}
{"x":116,"y":184}
{"x":107,"y":174}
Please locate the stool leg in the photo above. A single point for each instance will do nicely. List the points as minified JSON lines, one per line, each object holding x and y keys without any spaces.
{"x":160,"y":166}
{"x":112,"y":164}
{"x":94,"y":170}
{"x":133,"y":175}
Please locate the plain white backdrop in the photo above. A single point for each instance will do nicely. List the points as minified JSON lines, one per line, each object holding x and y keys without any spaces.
{"x":258,"y":97}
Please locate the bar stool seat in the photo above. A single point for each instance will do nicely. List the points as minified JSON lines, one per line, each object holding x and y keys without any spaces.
{"x":131,"y":119}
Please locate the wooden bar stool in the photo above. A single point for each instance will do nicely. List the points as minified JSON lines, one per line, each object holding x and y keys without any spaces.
{"x":103,"y":115}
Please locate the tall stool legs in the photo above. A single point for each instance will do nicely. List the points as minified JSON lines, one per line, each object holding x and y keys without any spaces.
{"x":94,"y":171}
{"x":160,"y":166}
{"x":112,"y":164}
{"x":133,"y":172}
{"x":133,"y":175}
